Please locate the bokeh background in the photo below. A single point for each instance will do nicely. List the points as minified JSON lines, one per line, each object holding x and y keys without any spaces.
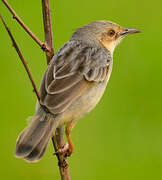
{"x":121,"y":139}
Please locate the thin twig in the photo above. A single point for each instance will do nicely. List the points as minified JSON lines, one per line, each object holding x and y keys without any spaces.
{"x":22,"y":58}
{"x":58,"y":139}
{"x":25,"y":27}
{"x":47,"y":29}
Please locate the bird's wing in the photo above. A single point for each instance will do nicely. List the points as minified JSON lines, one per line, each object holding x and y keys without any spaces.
{"x":72,"y":71}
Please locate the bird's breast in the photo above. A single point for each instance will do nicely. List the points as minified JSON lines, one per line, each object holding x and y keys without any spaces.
{"x":84,"y":104}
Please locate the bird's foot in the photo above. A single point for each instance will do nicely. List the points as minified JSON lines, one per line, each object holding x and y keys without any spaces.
{"x":65,"y":150}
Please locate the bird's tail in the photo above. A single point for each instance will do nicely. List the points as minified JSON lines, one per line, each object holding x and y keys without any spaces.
{"x":33,"y":140}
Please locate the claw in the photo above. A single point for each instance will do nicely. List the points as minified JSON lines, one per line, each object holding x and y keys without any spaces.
{"x":66,"y":151}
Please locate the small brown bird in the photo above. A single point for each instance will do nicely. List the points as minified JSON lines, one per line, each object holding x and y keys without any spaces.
{"x":72,"y":85}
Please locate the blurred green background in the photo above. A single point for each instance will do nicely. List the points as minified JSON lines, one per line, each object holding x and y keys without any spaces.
{"x":122,"y":138}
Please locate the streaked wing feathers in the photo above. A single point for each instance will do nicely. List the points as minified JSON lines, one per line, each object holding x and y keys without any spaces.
{"x":72,"y":71}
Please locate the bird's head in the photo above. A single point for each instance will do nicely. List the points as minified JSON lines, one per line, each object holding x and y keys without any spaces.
{"x":106,"y":33}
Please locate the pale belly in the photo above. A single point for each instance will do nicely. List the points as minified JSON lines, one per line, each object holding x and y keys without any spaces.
{"x":84,"y":104}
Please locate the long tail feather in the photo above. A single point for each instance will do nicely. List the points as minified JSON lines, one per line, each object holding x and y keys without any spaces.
{"x":33,"y":140}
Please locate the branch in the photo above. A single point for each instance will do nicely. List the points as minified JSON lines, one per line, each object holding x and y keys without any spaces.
{"x":58,"y":142}
{"x":47,"y":29}
{"x":25,"y":27}
{"x":58,"y":139}
{"x":21,"y":58}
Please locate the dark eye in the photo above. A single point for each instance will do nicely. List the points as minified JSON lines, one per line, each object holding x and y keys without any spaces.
{"x":111,"y":33}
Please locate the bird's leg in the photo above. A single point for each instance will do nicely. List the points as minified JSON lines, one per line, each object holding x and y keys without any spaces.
{"x":67,"y":132}
{"x":68,"y":148}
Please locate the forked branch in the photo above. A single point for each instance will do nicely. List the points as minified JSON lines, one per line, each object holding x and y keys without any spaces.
{"x":25,"y":27}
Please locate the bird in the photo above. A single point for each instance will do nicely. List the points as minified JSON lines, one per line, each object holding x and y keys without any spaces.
{"x":72,"y":86}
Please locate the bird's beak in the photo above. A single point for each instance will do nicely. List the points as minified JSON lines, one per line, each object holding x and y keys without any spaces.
{"x":129,"y":31}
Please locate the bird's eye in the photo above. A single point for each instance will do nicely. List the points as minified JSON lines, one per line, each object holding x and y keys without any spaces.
{"x":111,"y":33}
